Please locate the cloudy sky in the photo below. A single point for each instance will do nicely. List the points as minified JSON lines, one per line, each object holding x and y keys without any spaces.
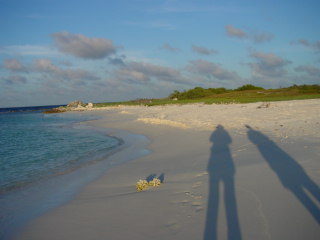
{"x":57,"y":51}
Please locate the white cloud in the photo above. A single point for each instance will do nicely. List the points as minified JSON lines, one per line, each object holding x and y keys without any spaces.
{"x":141,"y":71}
{"x":55,"y":72}
{"x":312,"y":45}
{"x":255,"y":36}
{"x":235,"y":32}
{"x":131,"y":75}
{"x":309,"y":69}
{"x":262,"y":37}
{"x":203,"y":50}
{"x":45,"y":65}
{"x":211,"y":69}
{"x":82,"y":46}
{"x":168,"y":47}
{"x":268,"y":65}
{"x":14,"y":65}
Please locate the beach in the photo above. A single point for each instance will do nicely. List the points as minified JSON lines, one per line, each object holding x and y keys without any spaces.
{"x":230,"y":171}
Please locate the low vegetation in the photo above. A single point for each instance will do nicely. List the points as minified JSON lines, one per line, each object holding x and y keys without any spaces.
{"x":245,"y":94}
{"x":249,"y":87}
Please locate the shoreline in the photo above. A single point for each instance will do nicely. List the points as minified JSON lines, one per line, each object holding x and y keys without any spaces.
{"x":38,"y":198}
{"x":110,"y":207}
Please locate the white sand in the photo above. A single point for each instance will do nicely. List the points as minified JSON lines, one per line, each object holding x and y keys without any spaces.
{"x":267,"y":197}
{"x":290,"y":118}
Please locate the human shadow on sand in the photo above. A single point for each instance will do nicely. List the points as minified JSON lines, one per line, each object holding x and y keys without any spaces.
{"x":290,"y":173}
{"x":221,"y":169}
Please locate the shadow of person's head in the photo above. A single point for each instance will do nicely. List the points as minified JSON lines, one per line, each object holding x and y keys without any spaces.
{"x":220,"y":136}
{"x":257,"y":137}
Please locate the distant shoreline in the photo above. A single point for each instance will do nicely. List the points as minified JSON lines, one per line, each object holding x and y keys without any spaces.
{"x":29,"y":109}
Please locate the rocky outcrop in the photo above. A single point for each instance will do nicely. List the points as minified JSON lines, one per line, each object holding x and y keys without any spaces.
{"x":89,"y":105}
{"x":56,"y":110}
{"x":72,"y":106}
{"x":76,"y":104}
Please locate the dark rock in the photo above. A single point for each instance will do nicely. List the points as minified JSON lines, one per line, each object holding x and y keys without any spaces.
{"x":56,"y":110}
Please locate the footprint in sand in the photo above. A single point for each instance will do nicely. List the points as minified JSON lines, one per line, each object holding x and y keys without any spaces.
{"x":173,"y":226}
{"x":197,"y":184}
{"x":202,"y":174}
{"x":198,"y":205}
{"x":192,"y":201}
{"x":196,"y":200}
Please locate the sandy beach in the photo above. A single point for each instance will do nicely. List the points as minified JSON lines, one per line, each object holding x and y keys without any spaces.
{"x":236,"y":171}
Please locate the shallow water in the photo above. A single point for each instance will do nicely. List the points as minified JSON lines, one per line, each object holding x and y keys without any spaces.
{"x":46,"y":159}
{"x":36,"y":146}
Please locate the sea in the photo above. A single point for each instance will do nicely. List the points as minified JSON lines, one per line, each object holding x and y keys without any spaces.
{"x":44,"y":160}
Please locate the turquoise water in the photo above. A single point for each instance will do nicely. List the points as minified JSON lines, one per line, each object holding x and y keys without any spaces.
{"x":44,"y":160}
{"x":36,"y":146}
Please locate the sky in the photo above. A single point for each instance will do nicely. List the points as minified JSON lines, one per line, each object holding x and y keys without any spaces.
{"x":57,"y":51}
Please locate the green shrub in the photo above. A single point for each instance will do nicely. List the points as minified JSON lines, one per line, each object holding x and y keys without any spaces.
{"x":175,"y":94}
{"x":196,"y":93}
{"x":217,"y":90}
{"x":248,"y":87}
{"x":306,"y":88}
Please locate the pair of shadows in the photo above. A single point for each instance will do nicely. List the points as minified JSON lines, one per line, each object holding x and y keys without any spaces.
{"x":153,"y":175}
{"x":221,"y":169}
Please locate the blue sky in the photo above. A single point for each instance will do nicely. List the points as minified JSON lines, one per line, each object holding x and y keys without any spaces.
{"x":54,"y":52}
